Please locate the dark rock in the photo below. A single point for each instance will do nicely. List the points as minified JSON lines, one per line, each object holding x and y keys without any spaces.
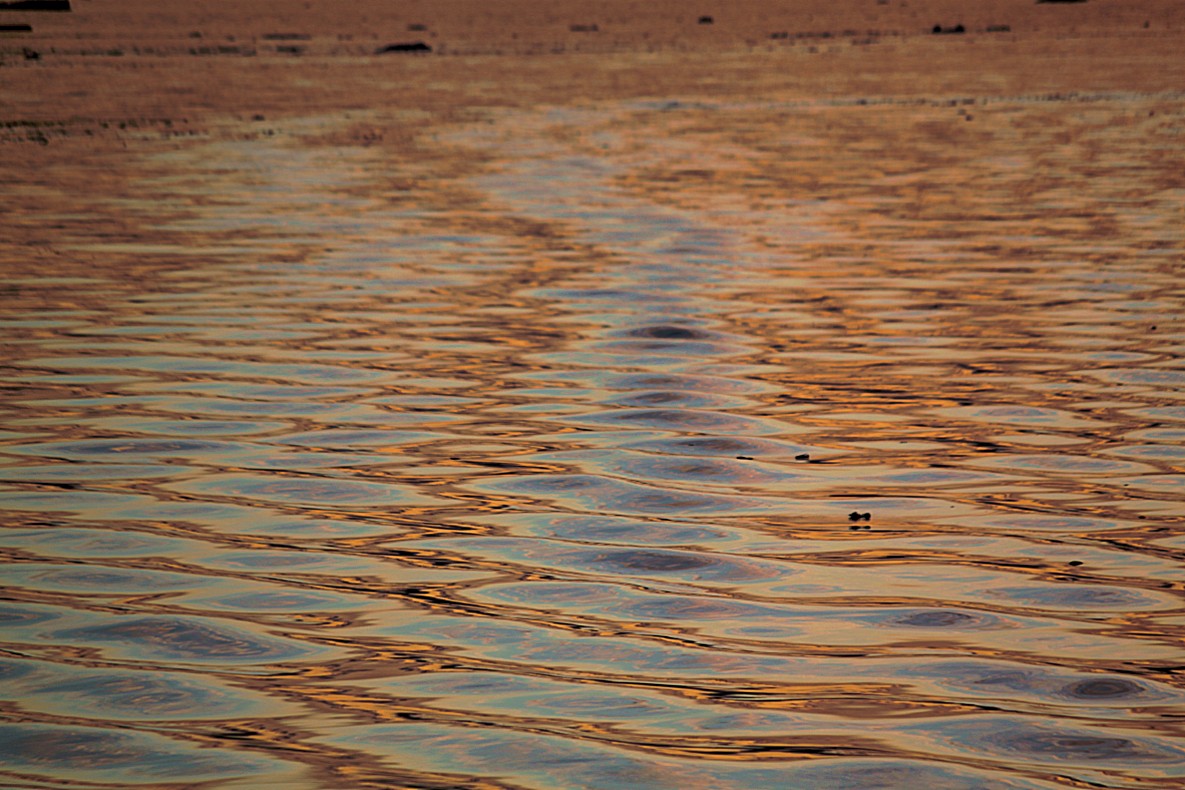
{"x":34,"y":5}
{"x":407,"y":46}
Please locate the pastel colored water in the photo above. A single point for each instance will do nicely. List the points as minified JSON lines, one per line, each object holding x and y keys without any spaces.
{"x":542,"y":476}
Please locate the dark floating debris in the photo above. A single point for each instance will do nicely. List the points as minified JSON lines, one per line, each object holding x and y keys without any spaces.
{"x":998,"y":29}
{"x":417,"y":27}
{"x":706,"y":20}
{"x":802,"y":457}
{"x":1074,"y":563}
{"x":35,"y":5}
{"x":940,"y":30}
{"x":31,"y":54}
{"x":856,"y":515}
{"x":16,"y":28}
{"x":406,"y":46}
{"x":583,"y":28}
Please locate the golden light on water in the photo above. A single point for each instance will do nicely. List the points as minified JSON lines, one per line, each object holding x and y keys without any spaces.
{"x":662,"y":404}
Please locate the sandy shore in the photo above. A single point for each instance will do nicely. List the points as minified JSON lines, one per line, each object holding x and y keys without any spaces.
{"x":85,"y":92}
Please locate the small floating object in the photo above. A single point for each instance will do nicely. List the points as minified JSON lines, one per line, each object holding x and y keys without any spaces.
{"x":855,"y":515}
{"x":802,"y":457}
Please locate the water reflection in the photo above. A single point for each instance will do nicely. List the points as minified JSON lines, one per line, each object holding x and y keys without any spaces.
{"x":181,"y":639}
{"x":90,"y":754}
{"x":554,"y":484}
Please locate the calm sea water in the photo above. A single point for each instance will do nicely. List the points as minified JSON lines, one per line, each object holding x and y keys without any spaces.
{"x":554,"y":477}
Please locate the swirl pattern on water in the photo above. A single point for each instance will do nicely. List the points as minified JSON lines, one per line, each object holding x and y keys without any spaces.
{"x":582,"y":482}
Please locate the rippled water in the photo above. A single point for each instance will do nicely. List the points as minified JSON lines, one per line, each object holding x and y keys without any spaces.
{"x":556,"y":479}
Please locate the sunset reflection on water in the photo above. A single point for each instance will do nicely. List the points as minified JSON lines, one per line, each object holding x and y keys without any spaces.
{"x":548,"y":472}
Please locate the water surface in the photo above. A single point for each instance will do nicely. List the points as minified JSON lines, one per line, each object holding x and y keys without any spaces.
{"x":599,"y":477}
